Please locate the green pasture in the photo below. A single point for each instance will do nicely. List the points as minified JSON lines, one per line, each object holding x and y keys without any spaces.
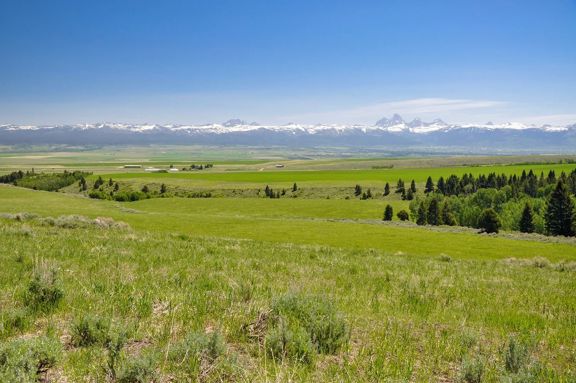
{"x":338,"y":223}
{"x":375,"y":178}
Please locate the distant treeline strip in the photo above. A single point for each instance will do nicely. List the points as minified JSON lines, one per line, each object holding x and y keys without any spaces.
{"x":43,"y":181}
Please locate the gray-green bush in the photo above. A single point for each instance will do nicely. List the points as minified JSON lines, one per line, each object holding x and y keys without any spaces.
{"x":26,"y":360}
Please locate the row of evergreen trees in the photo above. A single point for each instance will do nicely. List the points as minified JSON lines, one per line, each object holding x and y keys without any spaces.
{"x":527,"y":183}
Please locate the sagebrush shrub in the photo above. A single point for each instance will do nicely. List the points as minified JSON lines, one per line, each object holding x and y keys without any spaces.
{"x":472,"y":370}
{"x":44,"y":291}
{"x":516,"y":355}
{"x":327,"y":329}
{"x":198,"y":345}
{"x":293,"y":343}
{"x":25,"y":360}
{"x":88,"y":331}
{"x":138,"y":369}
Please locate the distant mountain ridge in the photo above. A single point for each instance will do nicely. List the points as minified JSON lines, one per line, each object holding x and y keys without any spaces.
{"x":386,"y":132}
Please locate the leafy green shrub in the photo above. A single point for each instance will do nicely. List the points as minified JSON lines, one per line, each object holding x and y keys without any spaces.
{"x":44,"y":292}
{"x":138,"y":369}
{"x":88,"y":331}
{"x":516,"y":355}
{"x":327,"y":330}
{"x":403,"y":215}
{"x":25,"y":360}
{"x":472,"y":370}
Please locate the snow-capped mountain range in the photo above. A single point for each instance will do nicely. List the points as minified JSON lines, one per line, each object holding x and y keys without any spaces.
{"x":392,"y":131}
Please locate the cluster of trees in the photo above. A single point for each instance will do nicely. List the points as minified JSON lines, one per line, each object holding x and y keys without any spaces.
{"x":110,"y":190}
{"x":389,"y":213}
{"x":550,"y":212}
{"x":362,"y":194}
{"x":405,"y":193}
{"x":42,"y":181}
{"x":528,"y":183}
{"x":196,"y":167}
{"x":270,"y":193}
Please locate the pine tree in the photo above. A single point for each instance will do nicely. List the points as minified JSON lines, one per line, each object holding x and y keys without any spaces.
{"x":527,"y":220}
{"x":116,"y":187}
{"x":110,"y":182}
{"x":421,"y":219}
{"x":409,"y":195}
{"x":267,"y":191}
{"x":441,"y":185}
{"x":429,"y":186}
{"x":386,"y":189}
{"x":294,"y":187}
{"x":388,"y":213}
{"x":433,"y":215}
{"x":145,"y":189}
{"x":368,"y":194}
{"x":357,"y":190}
{"x":413,"y":186}
{"x":560,"y":214}
{"x":163,"y":189}
{"x":551,"y":177}
{"x":99,"y":182}
{"x":489,"y":221}
{"x":400,"y":187}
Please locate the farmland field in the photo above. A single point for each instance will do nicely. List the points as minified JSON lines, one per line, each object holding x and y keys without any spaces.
{"x":310,"y":286}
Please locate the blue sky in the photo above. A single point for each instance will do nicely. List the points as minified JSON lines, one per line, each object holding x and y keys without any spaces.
{"x":278,"y":61}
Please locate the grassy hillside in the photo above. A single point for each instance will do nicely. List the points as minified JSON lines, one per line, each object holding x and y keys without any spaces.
{"x":177,"y":308}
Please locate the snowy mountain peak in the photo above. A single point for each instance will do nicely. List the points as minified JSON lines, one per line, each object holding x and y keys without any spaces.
{"x":387,"y":123}
{"x":234,"y":122}
{"x":415,"y":123}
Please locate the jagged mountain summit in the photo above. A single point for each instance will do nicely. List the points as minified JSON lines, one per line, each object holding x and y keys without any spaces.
{"x":386,"y":132}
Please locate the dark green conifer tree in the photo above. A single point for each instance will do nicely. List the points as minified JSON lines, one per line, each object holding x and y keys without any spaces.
{"x":388,"y":213}
{"x":421,"y":218}
{"x":400,"y":187}
{"x":489,"y":221}
{"x":386,"y":189}
{"x":527,"y":220}
{"x":433,"y":214}
{"x":441,"y":185}
{"x":429,"y":188}
{"x":560,"y":214}
{"x":409,"y":195}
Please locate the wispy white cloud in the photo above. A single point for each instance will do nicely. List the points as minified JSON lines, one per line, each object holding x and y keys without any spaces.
{"x":424,"y":107}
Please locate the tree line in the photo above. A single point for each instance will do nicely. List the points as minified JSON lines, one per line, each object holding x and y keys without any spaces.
{"x":42,"y":181}
{"x":526,"y":203}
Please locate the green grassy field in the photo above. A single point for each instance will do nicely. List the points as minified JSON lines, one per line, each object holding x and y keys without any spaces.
{"x":290,"y":289}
